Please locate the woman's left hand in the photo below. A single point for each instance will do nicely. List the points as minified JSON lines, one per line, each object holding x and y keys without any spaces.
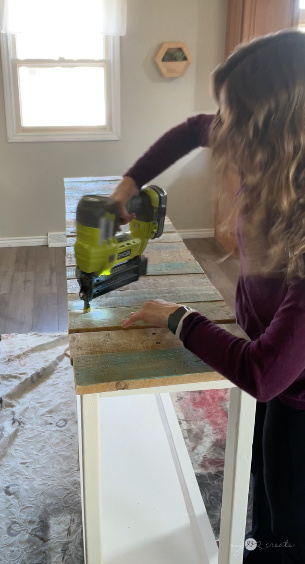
{"x":154,"y":312}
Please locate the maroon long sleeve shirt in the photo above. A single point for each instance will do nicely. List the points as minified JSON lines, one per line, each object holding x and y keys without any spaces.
{"x":270,"y":312}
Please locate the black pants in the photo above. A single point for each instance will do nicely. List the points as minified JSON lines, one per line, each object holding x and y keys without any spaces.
{"x":278,"y":469}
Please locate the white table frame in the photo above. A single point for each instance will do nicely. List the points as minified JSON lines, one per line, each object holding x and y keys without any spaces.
{"x":238,"y":454}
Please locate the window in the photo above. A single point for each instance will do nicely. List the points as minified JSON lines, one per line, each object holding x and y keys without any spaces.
{"x":61,"y":69}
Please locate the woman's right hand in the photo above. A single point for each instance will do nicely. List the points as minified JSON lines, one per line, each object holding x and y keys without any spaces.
{"x":122,"y":194}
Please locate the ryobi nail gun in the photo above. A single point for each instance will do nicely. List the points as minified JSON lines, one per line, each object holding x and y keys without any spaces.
{"x":106,"y":259}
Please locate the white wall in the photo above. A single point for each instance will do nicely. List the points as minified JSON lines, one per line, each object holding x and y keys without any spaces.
{"x":31,"y":174}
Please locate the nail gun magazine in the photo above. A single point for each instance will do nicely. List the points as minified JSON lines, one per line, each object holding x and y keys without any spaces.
{"x":106,"y":258}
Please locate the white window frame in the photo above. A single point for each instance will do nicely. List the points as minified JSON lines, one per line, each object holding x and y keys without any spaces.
{"x":17,"y":133}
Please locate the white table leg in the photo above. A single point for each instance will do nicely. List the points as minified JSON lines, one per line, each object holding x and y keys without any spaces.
{"x":90,"y":471}
{"x":236,"y":476}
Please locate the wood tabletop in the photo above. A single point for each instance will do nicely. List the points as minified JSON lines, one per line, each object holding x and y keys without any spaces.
{"x":107,"y":358}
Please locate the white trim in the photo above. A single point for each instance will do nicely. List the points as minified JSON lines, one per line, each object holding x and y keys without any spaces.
{"x":196,"y":233}
{"x":35,"y":241}
{"x":57,"y":239}
{"x":16,"y":133}
{"x":24,"y":241}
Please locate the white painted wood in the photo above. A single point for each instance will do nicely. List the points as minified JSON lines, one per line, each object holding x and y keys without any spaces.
{"x":91,"y":475}
{"x":213,"y":385}
{"x":17,"y":133}
{"x":196,"y":233}
{"x":204,"y":535}
{"x":152,"y":511}
{"x":23,"y":241}
{"x":57,"y":239}
{"x":236,"y":476}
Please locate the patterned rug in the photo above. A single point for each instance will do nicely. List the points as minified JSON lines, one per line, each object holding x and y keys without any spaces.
{"x":40,"y":505}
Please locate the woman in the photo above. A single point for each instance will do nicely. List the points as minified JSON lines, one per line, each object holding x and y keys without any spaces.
{"x":260,"y":131}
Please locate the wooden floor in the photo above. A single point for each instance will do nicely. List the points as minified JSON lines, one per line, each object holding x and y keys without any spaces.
{"x":33,"y":290}
{"x":221,"y":270}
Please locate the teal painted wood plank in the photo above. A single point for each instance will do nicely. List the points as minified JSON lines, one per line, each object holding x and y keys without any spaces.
{"x":136,"y":365}
{"x":157,"y":284}
{"x":160,"y":246}
{"x":186,"y":267}
{"x":165,"y":238}
{"x":163,"y":253}
{"x":130,"y":299}
{"x":100,"y":319}
{"x":71,"y":229}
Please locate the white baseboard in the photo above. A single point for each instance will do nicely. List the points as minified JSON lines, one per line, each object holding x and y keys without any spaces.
{"x":51,"y":240}
{"x":196,"y":233}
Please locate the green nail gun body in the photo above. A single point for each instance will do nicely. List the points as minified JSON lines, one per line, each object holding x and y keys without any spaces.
{"x":107,"y":259}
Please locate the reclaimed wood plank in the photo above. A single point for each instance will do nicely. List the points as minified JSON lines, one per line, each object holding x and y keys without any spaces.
{"x":117,"y":298}
{"x":156,"y":253}
{"x":156,"y":283}
{"x":133,"y":339}
{"x":154,"y":257}
{"x":71,"y":229}
{"x":139,"y":369}
{"x":165,"y":238}
{"x":111,"y":317}
{"x":179,"y":267}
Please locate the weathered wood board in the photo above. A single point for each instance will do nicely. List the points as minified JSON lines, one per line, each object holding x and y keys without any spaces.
{"x":133,"y":339}
{"x":108,"y":358}
{"x":110,"y":318}
{"x":139,"y":369}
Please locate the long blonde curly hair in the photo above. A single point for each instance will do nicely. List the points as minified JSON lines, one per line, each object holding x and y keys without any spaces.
{"x":263,"y":135}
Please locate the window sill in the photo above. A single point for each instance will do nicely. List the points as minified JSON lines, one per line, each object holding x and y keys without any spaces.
{"x":22,"y":136}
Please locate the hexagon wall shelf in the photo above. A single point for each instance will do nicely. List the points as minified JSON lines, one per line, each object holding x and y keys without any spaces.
{"x":173,"y":59}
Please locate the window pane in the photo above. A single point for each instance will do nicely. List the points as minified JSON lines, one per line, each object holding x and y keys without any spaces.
{"x":302,"y":4}
{"x":72,"y":46}
{"x":72,"y":96}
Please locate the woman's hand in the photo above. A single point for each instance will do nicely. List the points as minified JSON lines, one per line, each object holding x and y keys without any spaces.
{"x":122,"y":194}
{"x":154,"y":312}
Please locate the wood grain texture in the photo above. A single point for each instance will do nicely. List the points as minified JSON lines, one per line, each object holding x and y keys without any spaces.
{"x":139,"y":369}
{"x":155,"y":283}
{"x":19,"y":311}
{"x":61,"y":282}
{"x":133,"y":339}
{"x":26,"y":258}
{"x":111,"y":317}
{"x":33,"y":290}
{"x":179,"y":267}
{"x":4,"y":301}
{"x":129,"y":298}
{"x":165,"y":238}
{"x":45,"y":280}
{"x":154,"y":257}
{"x":45,"y":315}
{"x":107,"y":358}
{"x":221,"y":269}
{"x":7,"y":267}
